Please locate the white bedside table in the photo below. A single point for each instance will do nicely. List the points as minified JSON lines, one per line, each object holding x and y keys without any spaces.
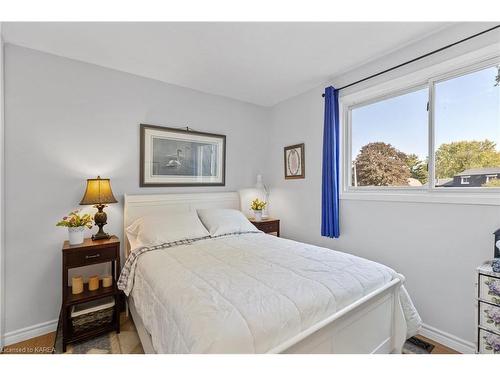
{"x":487,"y":310}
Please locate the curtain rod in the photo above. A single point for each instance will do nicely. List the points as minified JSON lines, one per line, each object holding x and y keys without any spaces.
{"x":417,"y":58}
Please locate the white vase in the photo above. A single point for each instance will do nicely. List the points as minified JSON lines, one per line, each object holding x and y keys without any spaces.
{"x":257,"y":214}
{"x":75,"y":235}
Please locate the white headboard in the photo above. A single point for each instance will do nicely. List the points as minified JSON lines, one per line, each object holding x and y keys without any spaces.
{"x":137,"y":206}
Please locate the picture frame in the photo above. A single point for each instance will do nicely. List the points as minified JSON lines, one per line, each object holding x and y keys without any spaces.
{"x":294,"y":158}
{"x":181,"y":157}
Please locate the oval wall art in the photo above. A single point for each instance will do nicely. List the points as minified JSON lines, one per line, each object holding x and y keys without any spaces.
{"x":294,"y":161}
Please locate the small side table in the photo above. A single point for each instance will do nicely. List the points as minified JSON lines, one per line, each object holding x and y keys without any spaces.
{"x":88,"y":253}
{"x":269,"y":225}
{"x":487,"y":308}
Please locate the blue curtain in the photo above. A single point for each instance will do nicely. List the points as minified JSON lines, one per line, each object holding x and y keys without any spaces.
{"x":330,"y":221}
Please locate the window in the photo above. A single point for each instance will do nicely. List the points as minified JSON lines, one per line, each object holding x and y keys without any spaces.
{"x":389,"y":141}
{"x":443,"y":134}
{"x":467,"y":127}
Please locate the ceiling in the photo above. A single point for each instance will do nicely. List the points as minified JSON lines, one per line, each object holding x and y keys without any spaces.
{"x":260,"y":63}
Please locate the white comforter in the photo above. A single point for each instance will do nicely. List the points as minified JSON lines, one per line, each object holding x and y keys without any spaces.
{"x":247,"y":293}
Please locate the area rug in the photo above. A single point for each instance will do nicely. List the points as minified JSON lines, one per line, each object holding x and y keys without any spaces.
{"x":415,"y":345}
{"x":128,"y":342}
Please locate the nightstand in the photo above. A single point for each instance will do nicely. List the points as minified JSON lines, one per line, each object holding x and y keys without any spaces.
{"x":268,"y":225}
{"x":487,"y":310}
{"x":88,"y":253}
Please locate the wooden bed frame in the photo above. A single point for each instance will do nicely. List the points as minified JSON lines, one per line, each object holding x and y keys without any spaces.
{"x":372,"y":324}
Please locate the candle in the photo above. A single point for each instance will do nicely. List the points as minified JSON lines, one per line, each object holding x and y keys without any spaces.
{"x":94,"y":282}
{"x":76,"y":284}
{"x":107,"y":281}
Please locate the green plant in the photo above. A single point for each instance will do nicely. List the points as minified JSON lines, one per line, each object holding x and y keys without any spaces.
{"x":492,"y":183}
{"x":75,"y":219}
{"x":418,"y":168}
{"x":455,"y":157}
{"x":381,"y":164}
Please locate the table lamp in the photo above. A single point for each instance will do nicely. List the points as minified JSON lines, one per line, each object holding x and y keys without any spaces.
{"x":98,"y":193}
{"x":262,"y":187}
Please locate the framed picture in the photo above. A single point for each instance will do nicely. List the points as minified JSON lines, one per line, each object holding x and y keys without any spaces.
{"x":177,"y":157}
{"x":295,"y":161}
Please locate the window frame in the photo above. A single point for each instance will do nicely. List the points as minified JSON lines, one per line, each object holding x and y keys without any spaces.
{"x":465,"y":180}
{"x":428,"y":77}
{"x":348,"y":166}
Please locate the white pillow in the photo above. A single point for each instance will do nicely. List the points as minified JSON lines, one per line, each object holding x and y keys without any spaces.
{"x":221,"y":221}
{"x":132,"y":240}
{"x":159,"y":229}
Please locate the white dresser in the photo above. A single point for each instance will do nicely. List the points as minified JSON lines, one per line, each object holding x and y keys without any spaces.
{"x":488,"y":310}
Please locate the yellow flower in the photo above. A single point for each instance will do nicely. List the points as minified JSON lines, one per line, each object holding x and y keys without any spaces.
{"x":257,"y":204}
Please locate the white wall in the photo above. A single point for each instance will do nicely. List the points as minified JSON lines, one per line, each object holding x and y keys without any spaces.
{"x":67,"y":121}
{"x":2,"y":262}
{"x":436,"y":246}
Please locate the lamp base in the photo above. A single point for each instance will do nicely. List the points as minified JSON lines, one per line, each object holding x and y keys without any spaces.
{"x":101,"y":236}
{"x":100,"y":219}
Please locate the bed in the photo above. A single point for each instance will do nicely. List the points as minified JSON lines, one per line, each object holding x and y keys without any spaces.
{"x":256,"y":293}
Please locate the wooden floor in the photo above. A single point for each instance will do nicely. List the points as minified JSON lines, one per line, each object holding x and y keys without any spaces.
{"x":37,"y":345}
{"x":438,"y":348}
{"x":43,"y":345}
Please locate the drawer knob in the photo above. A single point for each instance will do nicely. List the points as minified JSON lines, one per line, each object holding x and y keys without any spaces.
{"x":92,"y":256}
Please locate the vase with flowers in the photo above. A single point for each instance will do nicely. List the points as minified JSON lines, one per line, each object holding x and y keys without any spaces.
{"x":76,"y":222}
{"x":257,"y":206}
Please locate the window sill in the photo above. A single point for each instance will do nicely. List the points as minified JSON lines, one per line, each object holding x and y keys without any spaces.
{"x":478,"y":198}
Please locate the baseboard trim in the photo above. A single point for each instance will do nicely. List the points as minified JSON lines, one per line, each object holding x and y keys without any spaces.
{"x":445,"y":338}
{"x":27,"y":333}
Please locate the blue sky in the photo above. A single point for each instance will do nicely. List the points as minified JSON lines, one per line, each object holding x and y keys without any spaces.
{"x":467,"y":108}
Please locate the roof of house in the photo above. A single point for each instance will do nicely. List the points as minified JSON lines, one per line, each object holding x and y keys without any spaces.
{"x":444,"y":181}
{"x":476,"y":171}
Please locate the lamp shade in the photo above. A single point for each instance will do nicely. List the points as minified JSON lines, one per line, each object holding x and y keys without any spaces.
{"x":98,"y":192}
{"x":260,"y":183}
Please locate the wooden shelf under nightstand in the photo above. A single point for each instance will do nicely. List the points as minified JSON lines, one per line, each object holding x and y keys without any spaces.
{"x":89,"y":295}
{"x":88,"y":253}
{"x":268,"y":225}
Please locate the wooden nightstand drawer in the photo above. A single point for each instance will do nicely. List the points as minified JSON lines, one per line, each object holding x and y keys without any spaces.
{"x":267,"y":225}
{"x":93,"y":256}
